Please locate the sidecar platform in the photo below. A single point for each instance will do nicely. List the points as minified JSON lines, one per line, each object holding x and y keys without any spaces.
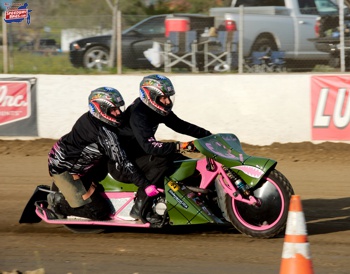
{"x":28,"y":215}
{"x":48,"y":216}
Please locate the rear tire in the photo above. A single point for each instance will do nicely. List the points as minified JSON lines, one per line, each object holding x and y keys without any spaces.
{"x":269,"y":219}
{"x":334,"y":61}
{"x":264,"y":44}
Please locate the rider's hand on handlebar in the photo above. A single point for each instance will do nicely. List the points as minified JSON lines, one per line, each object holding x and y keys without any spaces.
{"x":186,"y":146}
{"x":151,"y":190}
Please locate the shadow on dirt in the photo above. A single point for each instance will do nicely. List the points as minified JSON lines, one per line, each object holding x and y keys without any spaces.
{"x":325,"y":216}
{"x":322,"y":216}
{"x":178,"y":230}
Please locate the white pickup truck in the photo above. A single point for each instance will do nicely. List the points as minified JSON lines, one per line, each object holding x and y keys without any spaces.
{"x":284,"y":25}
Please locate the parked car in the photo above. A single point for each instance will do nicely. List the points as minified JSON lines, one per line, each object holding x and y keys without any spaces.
{"x":93,"y":52}
{"x":44,"y":44}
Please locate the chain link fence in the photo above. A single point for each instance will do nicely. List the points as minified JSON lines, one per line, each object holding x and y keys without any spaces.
{"x":45,"y":46}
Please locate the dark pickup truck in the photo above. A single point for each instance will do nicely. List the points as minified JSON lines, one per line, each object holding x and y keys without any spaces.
{"x":328,"y":36}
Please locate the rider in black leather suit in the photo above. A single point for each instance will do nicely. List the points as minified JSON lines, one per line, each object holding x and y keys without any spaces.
{"x":78,"y":161}
{"x":142,"y":118}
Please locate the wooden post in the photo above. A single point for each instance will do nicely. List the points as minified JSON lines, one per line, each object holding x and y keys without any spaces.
{"x":119,"y":42}
{"x":4,"y":44}
{"x":240,"y":39}
{"x":113,"y":38}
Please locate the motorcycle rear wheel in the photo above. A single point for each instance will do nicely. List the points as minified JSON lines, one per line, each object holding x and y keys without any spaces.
{"x":268,"y":219}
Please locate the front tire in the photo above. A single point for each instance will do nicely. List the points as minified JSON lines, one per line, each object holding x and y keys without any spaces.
{"x":96,"y":58}
{"x":268,"y":219}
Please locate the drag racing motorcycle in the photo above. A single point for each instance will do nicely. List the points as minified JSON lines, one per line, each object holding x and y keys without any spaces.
{"x":225,"y":187}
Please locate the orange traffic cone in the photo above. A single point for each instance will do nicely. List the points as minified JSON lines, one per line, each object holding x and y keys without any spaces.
{"x":296,"y":256}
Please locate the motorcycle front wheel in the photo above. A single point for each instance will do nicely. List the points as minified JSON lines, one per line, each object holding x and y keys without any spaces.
{"x":269,"y":218}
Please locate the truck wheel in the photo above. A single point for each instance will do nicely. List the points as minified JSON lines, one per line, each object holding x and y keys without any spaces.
{"x":334,"y":62}
{"x":96,"y":58}
{"x":264,"y":44}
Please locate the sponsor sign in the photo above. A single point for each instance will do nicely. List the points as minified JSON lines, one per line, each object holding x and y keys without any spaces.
{"x":18,"y":114}
{"x":14,"y":101}
{"x":17,"y":12}
{"x":330,"y":107}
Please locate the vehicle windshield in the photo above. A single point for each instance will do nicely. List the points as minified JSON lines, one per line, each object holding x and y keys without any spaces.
{"x":325,"y":6}
{"x":318,"y":7}
{"x":149,"y":26}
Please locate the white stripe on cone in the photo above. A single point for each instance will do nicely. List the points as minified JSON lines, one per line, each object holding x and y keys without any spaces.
{"x":290,"y":249}
{"x":296,"y":223}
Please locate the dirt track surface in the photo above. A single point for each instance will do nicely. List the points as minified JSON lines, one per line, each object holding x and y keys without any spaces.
{"x":319,"y":174}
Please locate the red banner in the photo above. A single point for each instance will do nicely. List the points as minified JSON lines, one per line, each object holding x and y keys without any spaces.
{"x":14,"y":101}
{"x":16,"y":14}
{"x":330,"y":108}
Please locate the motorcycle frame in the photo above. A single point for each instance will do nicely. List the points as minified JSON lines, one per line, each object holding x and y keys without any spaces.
{"x":125,"y":198}
{"x":112,"y":196}
{"x":208,"y":177}
{"x":223,"y":169}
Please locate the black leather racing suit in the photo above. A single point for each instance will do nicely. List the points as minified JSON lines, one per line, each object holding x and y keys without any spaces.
{"x":137,"y":136}
{"x":78,"y":161}
{"x":90,"y":142}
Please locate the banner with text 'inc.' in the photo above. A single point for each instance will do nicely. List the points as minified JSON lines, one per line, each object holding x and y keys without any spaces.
{"x":330,"y":106}
{"x":18,"y":114}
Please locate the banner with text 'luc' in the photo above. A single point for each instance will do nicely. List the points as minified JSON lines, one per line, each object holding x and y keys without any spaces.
{"x":330,"y":106}
{"x":18,"y":115}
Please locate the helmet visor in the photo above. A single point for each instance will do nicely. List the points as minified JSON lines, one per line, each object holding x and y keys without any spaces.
{"x":116,"y":110}
{"x":166,"y":102}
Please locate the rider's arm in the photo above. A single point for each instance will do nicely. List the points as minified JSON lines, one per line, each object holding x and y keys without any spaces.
{"x":183,"y":127}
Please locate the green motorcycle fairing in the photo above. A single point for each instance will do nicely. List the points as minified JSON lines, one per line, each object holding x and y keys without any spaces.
{"x":185,"y":207}
{"x":111,"y":184}
{"x":183,"y":169}
{"x":226,"y":149}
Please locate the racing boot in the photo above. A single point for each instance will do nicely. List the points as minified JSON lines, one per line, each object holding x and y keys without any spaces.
{"x":98,"y":209}
{"x":139,"y":202}
{"x":57,"y":201}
